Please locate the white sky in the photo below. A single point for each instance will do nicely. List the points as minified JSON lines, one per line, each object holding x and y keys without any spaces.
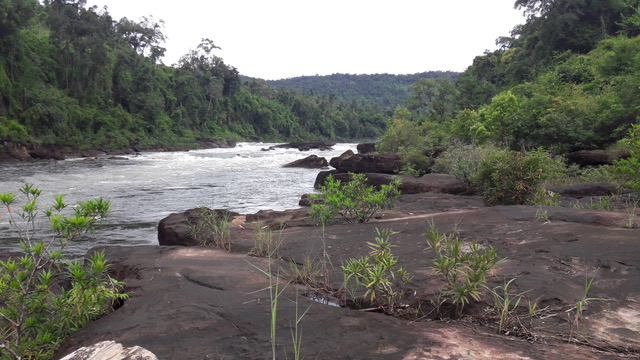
{"x":286,"y":38}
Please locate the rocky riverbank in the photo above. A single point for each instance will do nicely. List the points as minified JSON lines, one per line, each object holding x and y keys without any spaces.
{"x":10,"y":151}
{"x":205,"y":303}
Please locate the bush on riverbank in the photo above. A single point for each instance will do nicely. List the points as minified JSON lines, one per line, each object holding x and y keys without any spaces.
{"x":45,"y":298}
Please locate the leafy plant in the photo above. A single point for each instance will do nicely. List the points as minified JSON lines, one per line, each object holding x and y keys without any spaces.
{"x":37,"y":310}
{"x":212,"y":228}
{"x":630,"y":167}
{"x":511,"y":178}
{"x":576,"y":319}
{"x":464,"y":270}
{"x":264,"y":242}
{"x":506,"y":304}
{"x":377,"y":272}
{"x":354,"y":201}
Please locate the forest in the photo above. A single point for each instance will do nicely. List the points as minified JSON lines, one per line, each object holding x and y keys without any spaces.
{"x":71,"y":75}
{"x":385,"y":91}
{"x":567,"y":79}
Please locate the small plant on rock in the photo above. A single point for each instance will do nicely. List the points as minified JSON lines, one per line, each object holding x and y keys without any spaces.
{"x":43,"y":297}
{"x":354,"y":201}
{"x":464,"y":270}
{"x":212,"y":228}
{"x":377,"y":272}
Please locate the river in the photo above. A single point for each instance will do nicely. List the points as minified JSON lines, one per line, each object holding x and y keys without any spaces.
{"x":147,"y":187}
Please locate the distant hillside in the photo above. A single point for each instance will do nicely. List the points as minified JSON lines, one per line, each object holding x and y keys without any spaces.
{"x":382,"y":90}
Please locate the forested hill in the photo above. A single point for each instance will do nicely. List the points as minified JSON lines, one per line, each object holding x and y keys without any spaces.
{"x":381,"y":90}
{"x":71,"y":75}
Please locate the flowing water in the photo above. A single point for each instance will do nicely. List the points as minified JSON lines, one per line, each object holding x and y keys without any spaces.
{"x":147,"y":187}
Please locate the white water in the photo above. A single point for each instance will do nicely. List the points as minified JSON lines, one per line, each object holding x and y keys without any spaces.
{"x":148,"y":187}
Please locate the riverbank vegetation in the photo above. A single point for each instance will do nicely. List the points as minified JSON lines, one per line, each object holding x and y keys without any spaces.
{"x":566,"y":80}
{"x":71,"y":75}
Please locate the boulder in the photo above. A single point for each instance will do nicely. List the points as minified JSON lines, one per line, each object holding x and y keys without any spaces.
{"x":366,"y":148}
{"x":306,"y":200}
{"x":584,"y":190}
{"x":310,"y":162}
{"x":589,"y":158}
{"x":367,"y":163}
{"x":434,"y":183}
{"x":276,"y":220}
{"x":112,"y":351}
{"x":46,"y":153}
{"x":175,"y":229}
{"x":17,"y":151}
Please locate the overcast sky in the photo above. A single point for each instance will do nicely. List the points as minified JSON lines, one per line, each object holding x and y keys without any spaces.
{"x":286,"y":38}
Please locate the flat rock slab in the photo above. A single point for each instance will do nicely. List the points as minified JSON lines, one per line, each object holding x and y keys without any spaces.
{"x":204,"y":303}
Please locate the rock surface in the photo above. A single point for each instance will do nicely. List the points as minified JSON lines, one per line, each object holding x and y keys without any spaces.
{"x":175,"y":229}
{"x":193,"y":303}
{"x":589,"y":158}
{"x":579,"y":191}
{"x":436,"y":183}
{"x":367,"y":163}
{"x":310,"y":162}
{"x":366,"y":148}
{"x":109,"y":350}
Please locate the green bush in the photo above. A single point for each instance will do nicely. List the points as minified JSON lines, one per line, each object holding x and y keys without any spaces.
{"x":464,"y":270}
{"x":38,"y":310}
{"x":462,"y":161}
{"x":377,"y":272}
{"x":512,"y":178}
{"x":629,"y":168}
{"x":354,"y":201}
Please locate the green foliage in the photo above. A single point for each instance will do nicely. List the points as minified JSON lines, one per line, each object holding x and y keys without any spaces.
{"x":354,"y":201}
{"x":629,"y":167}
{"x":265,"y":244}
{"x":212,"y":228}
{"x":413,"y":141}
{"x":37,"y":311}
{"x":463,"y":267}
{"x":505,"y":305}
{"x":512,"y":178}
{"x":463,"y":162}
{"x":71,"y":76}
{"x":377,"y":272}
{"x":378,"y":90}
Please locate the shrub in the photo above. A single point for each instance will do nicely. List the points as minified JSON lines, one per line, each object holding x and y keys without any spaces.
{"x":512,"y":178}
{"x":462,"y":161}
{"x":377,"y":272}
{"x":37,"y":309}
{"x":212,"y":228}
{"x":464,"y":271}
{"x":630,"y":167}
{"x":354,"y":201}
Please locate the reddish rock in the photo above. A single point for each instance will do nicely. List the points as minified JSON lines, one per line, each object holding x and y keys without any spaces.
{"x":175,"y":228}
{"x":584,"y":190}
{"x":437,"y":183}
{"x":589,"y":158}
{"x":46,"y":152}
{"x":201,"y":303}
{"x":310,"y":162}
{"x":17,"y":151}
{"x":366,"y":148}
{"x":367,"y":163}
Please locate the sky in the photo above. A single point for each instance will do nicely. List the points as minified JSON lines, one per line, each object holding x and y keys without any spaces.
{"x":276,"y":39}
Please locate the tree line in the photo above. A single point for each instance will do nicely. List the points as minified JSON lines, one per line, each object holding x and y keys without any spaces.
{"x":71,"y":75}
{"x":567,"y":79}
